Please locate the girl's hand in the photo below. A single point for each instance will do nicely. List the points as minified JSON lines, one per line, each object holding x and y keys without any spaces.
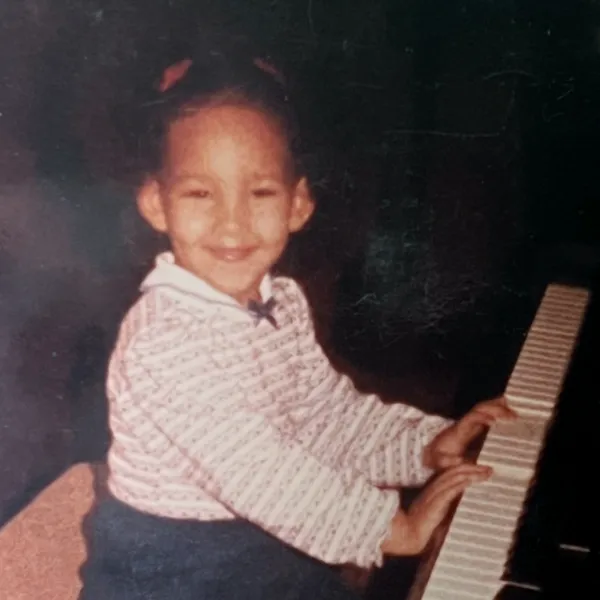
{"x":412,"y":530}
{"x":448,"y":448}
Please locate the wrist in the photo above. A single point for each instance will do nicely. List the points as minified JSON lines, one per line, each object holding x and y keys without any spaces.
{"x":427,"y":458}
{"x":403,"y":538}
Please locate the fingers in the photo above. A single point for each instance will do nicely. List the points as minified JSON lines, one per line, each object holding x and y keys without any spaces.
{"x":472,"y":424}
{"x":497,"y":409}
{"x":432,"y":505}
{"x":464,"y":471}
{"x":451,"y":482}
{"x":484,"y":415}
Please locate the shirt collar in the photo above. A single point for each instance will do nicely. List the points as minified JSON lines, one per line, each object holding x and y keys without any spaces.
{"x":166,"y":273}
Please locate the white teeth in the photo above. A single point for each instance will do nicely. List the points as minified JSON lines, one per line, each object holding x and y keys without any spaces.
{"x":232,"y":255}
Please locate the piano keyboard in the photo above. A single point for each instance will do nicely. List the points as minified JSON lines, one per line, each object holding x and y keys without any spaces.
{"x":473,"y":555}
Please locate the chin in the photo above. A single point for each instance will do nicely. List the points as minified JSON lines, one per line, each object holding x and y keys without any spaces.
{"x":240,"y":293}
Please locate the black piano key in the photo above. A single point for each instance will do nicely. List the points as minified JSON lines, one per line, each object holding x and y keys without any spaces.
{"x":510,"y":592}
{"x":570,"y":575}
{"x":576,"y":528}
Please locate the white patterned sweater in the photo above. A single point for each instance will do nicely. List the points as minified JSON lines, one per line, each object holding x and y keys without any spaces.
{"x":217,"y":416}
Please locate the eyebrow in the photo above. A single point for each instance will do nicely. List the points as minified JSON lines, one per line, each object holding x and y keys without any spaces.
{"x":256,"y":177}
{"x":178,"y":180}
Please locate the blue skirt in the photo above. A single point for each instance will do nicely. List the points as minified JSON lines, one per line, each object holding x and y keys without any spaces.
{"x":136,"y":556}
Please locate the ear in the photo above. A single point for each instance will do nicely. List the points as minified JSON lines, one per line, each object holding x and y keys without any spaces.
{"x":303,"y":206}
{"x":150,"y":205}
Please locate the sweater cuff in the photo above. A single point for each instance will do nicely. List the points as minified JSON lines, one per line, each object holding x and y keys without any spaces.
{"x":432,"y":427}
{"x":370,"y":554}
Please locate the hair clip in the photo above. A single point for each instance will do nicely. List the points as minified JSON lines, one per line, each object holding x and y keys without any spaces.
{"x":173,"y":74}
{"x":267,"y":67}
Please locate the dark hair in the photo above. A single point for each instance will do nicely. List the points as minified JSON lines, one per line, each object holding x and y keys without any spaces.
{"x":217,"y":79}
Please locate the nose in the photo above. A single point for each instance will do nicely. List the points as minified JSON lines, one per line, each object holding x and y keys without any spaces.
{"x":234,"y":214}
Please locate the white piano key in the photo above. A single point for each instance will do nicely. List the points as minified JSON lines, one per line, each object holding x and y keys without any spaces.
{"x":543,"y":384}
{"x":531,"y":350}
{"x":551,"y":367}
{"x":532,"y":392}
{"x":545,"y":332}
{"x":554,"y":314}
{"x":518,"y":399}
{"x":526,"y":409}
{"x":525,"y":430}
{"x":469,"y":547}
{"x":442,"y":592}
{"x":529,"y":395}
{"x":552,"y":378}
{"x":564,"y":296}
{"x":474,"y":522}
{"x":532,"y":359}
{"x":513,"y":466}
{"x":435,"y":595}
{"x":459,"y":585}
{"x":485,"y":538}
{"x":477,"y":564}
{"x":500,"y":447}
{"x":477,"y":514}
{"x":485,"y":543}
{"x":506,"y":505}
{"x":491,"y":492}
{"x":552,"y":348}
{"x":548,"y":321}
{"x":550,"y":326}
{"x":505,"y":510}
{"x":547,"y":335}
{"x":450,"y":567}
{"x":527,"y":401}
{"x":529,"y":408}
{"x":548,"y":329}
{"x":550,"y":337}
{"x":514,"y":446}
{"x":499,"y":485}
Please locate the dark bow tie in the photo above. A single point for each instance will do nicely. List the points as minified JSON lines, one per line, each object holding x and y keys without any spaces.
{"x":263,"y":310}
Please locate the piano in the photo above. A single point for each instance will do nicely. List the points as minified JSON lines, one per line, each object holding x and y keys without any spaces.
{"x":528,"y":532}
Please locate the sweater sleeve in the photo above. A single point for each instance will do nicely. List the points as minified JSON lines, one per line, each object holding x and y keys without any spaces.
{"x":385,"y":442}
{"x":197,"y":425}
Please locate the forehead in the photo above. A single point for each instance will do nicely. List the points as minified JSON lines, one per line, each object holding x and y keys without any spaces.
{"x":226,"y":137}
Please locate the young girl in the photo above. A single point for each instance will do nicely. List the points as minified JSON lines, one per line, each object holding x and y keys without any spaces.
{"x":242,"y":464}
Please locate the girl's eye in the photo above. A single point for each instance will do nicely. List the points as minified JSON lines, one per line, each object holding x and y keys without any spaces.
{"x":264,"y":192}
{"x":199,"y":194}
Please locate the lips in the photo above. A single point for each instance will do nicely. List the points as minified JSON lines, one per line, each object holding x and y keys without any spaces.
{"x":231,"y":255}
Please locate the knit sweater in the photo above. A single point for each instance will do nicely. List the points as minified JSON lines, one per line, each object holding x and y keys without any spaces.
{"x":216,"y":414}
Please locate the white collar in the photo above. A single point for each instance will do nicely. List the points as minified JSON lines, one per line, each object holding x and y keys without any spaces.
{"x":167,"y":273}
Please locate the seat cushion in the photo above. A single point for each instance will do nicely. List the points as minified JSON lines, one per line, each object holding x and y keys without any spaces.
{"x":43,"y":547}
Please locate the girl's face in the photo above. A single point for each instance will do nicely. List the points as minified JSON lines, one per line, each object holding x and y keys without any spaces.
{"x":226,"y":197}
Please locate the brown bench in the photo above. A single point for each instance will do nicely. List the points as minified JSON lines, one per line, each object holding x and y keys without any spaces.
{"x":43,"y":547}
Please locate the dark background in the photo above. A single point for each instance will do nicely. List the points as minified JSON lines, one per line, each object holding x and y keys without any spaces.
{"x":453,"y":147}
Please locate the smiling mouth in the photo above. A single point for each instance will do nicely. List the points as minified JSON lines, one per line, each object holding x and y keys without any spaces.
{"x":231,"y":255}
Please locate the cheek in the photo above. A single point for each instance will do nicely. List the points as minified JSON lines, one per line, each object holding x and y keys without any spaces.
{"x":272,"y":222}
{"x":188,"y":220}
